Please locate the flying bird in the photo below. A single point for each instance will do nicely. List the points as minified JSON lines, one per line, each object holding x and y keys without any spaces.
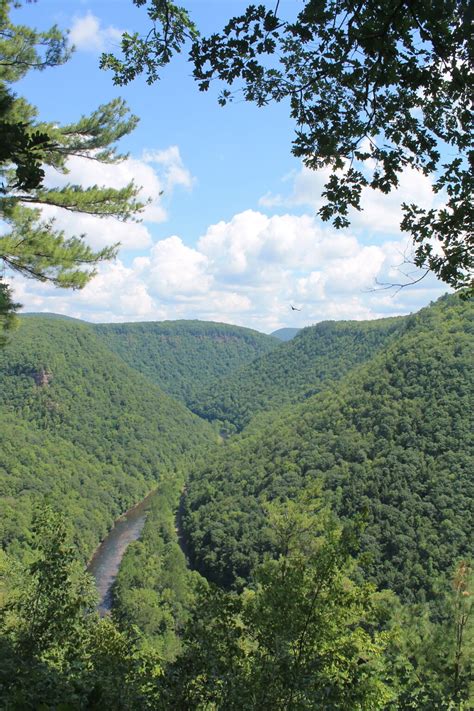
{"x":293,"y":308}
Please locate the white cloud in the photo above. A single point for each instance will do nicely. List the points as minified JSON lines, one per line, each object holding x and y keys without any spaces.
{"x":152,"y":175}
{"x":87,"y":34}
{"x":100,"y":232}
{"x":174,"y":170}
{"x":246,"y":271}
{"x":380,"y":214}
{"x":175,"y":270}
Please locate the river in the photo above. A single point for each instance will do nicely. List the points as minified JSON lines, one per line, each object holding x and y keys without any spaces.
{"x":105,"y":563}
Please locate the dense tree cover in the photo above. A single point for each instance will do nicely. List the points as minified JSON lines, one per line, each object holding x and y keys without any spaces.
{"x":278,"y":512}
{"x":55,"y":653}
{"x":294,"y":371}
{"x":31,"y":244}
{"x":82,"y":429}
{"x":392,"y":440}
{"x":285,"y":334}
{"x":305,"y":637}
{"x":184,"y":356}
{"x":155,"y":590}
{"x":373,"y":88}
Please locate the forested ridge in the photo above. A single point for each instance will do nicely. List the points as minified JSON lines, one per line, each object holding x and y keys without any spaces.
{"x":308,"y":541}
{"x":183,"y":357}
{"x":285,"y":334}
{"x":393,"y":440}
{"x":82,"y":429}
{"x":295,"y":370}
{"x":328,"y":543}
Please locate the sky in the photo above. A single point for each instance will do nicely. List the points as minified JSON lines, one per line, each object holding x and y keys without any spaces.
{"x":231,"y":233}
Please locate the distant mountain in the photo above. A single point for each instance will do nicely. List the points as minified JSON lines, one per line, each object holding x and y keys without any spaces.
{"x":82,"y":429}
{"x":49,"y":314}
{"x":285,"y":334}
{"x":184,"y":356}
{"x":390,"y":442}
{"x":294,"y":370}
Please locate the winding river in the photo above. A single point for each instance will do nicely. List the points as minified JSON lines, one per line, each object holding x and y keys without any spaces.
{"x":105,"y":562}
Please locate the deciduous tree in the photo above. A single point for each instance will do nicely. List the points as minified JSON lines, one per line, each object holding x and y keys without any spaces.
{"x":373,"y":88}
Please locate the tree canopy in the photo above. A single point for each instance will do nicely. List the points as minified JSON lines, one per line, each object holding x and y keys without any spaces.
{"x":32,"y":244}
{"x":311,"y":520}
{"x":373,"y":87}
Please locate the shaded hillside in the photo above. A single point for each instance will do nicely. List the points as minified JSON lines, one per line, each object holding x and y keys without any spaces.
{"x":392,"y":441}
{"x":182,"y":356}
{"x":50,"y":314}
{"x":295,"y":370}
{"x":82,"y":428}
{"x":285,"y":334}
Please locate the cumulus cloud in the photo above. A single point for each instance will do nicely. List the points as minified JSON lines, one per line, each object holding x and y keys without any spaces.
{"x":176,"y":271}
{"x":86,"y":34}
{"x":175,"y":172}
{"x":245,"y":271}
{"x":380,"y":214}
{"x":154,"y":173}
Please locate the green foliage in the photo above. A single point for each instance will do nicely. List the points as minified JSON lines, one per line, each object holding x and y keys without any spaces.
{"x":171,"y":27}
{"x":7,"y":312}
{"x":55,"y":653}
{"x":295,"y":370}
{"x":184,"y":356}
{"x":302,"y":639}
{"x":33,"y":245}
{"x":373,"y":88}
{"x":391,"y":439}
{"x":273,"y":513}
{"x":46,"y":613}
{"x":432,"y":650}
{"x":154,"y":590}
{"x":305,"y":636}
{"x":81,"y":428}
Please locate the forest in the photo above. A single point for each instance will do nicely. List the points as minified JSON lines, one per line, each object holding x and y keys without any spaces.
{"x":307,"y":539}
{"x":316,"y":558}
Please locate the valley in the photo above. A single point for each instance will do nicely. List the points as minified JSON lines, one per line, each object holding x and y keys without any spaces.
{"x":346,"y":459}
{"x":203,"y":516}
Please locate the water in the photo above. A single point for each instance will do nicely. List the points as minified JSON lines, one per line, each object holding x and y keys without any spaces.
{"x":105,"y":562}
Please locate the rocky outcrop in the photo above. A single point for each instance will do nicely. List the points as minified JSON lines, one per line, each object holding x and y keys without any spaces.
{"x":42,"y":377}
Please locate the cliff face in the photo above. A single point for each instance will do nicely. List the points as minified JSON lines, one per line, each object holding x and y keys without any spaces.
{"x":42,"y":377}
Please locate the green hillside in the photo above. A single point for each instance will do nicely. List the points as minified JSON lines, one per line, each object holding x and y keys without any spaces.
{"x":285,"y":334}
{"x":182,"y":356}
{"x":387,"y":439}
{"x":392,"y":441}
{"x":83,"y":429}
{"x":295,"y":370}
{"x":50,"y":314}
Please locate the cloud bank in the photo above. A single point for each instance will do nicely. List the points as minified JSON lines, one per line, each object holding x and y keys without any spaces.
{"x":247,"y":271}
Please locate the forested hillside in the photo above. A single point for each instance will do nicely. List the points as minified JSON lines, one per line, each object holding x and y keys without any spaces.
{"x":391,"y":442}
{"x":184,"y":356}
{"x":285,"y":334}
{"x":298,"y":507}
{"x":295,"y":370}
{"x":364,"y":485}
{"x":82,"y":429}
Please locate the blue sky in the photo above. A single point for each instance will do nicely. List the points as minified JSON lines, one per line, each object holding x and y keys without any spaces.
{"x":235,"y":236}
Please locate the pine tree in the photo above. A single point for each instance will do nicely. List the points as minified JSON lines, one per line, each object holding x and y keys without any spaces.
{"x":32,"y":245}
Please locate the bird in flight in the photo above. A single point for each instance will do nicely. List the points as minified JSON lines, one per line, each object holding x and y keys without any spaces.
{"x":293,"y":308}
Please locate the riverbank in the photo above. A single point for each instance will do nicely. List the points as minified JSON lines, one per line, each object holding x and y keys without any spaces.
{"x":105,"y":562}
{"x":154,"y":588}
